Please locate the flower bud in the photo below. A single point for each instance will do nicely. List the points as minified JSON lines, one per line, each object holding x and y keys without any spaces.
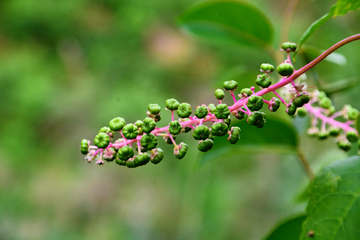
{"x":157,"y":154}
{"x":219,"y":94}
{"x":263,"y":80}
{"x":285,"y":69}
{"x":102,"y":140}
{"x":201,"y":112}
{"x":174,"y":127}
{"x":139,"y":123}
{"x":205,"y":145}
{"x":116,"y":124}
{"x":130,"y":131}
{"x":219,"y":129}
{"x":267,"y":67}
{"x":255,"y":103}
{"x":230,"y":85}
{"x":84,"y":146}
{"x":184,"y":110}
{"x":212,"y":108}
{"x":201,"y":132}
{"x":172,"y":104}
{"x":222,"y":111}
{"x":154,"y":109}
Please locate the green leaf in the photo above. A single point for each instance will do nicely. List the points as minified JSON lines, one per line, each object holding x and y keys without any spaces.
{"x":340,"y":8}
{"x":313,"y":52}
{"x":226,"y":23}
{"x":277,"y":136}
{"x":334,"y":206}
{"x":289,"y":229}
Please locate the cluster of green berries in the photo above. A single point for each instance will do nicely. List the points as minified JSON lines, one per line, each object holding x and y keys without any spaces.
{"x":137,"y":144}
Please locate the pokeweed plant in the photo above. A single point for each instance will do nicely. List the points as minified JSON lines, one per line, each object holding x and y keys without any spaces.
{"x":334,"y":204}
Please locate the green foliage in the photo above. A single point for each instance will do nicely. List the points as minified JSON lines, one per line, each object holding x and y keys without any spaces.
{"x":289,"y":229}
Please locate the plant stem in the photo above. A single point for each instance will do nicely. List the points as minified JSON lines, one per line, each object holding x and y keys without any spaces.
{"x":306,"y":165}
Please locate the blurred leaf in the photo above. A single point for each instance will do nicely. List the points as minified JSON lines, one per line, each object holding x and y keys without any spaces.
{"x":340,"y":8}
{"x":334,"y":206}
{"x":340,"y":85}
{"x":314,"y":52}
{"x":227,"y":22}
{"x":287,"y":230}
{"x":277,"y":136}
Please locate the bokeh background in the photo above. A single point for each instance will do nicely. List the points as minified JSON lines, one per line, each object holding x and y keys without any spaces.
{"x":68,"y":67}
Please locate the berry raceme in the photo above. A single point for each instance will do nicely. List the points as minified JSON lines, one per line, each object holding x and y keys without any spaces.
{"x":142,"y":136}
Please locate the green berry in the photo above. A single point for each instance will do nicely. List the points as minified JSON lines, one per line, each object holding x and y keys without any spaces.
{"x":352,"y":136}
{"x":148,"y":125}
{"x":120,"y":162}
{"x":331,"y":111}
{"x":301,"y":112}
{"x":234,"y":135}
{"x":230,"y":85}
{"x":201,"y":112}
{"x":238,"y":114}
{"x":301,"y":100}
{"x":323,"y":135}
{"x":227,"y":121}
{"x":246,"y":92}
{"x":168,"y":139}
{"x":184,"y":110}
{"x":322,"y":95}
{"x":222,"y":111}
{"x":325,"y":103}
{"x":107,"y":130}
{"x":180,"y":150}
{"x":255,"y":103}
{"x":334,"y":131}
{"x":172,"y":104}
{"x":212,"y":108}
{"x":263,"y":80}
{"x":205,"y":145}
{"x":142,"y":159}
{"x":125,"y":153}
{"x":344,"y":145}
{"x":157,"y":154}
{"x":274,"y":104}
{"x":313,"y":132}
{"x":84,"y":146}
{"x":352,"y":113}
{"x":289,"y":46}
{"x":154,"y":109}
{"x":257,"y":118}
{"x":219,"y":94}
{"x":102,"y":140}
{"x":291,"y":109}
{"x":157,"y":118}
{"x":117,"y":124}
{"x":174,"y":127}
{"x":139,"y":123}
{"x":285,"y":69}
{"x":219,"y":129}
{"x":267,"y":67}
{"x":109,"y":154}
{"x":130,"y":131}
{"x":201,"y":132}
{"x":148,"y":141}
{"x":131,"y":163}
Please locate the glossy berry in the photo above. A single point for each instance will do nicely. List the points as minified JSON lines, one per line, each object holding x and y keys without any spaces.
{"x":180,"y":150}
{"x":344,"y":145}
{"x":184,"y":110}
{"x":351,"y":113}
{"x":222,"y":111}
{"x":84,"y":146}
{"x":228,"y":121}
{"x":219,"y":94}
{"x":107,"y":130}
{"x":148,"y":125}
{"x":301,"y":100}
{"x":154,"y":109}
{"x":139,"y":123}
{"x":205,"y":145}
{"x":352,"y":136}
{"x":334,"y":131}
{"x":201,"y":112}
{"x":172,"y":104}
{"x":267,"y":67}
{"x":125,"y":153}
{"x":234,"y":135}
{"x":246,"y":92}
{"x":157,"y":154}
{"x":116,"y":124}
{"x":291,"y":109}
{"x":289,"y":47}
{"x":142,"y":159}
{"x":238,"y":114}
{"x":285,"y":69}
{"x":274,"y":104}
{"x":131,"y":163}
{"x":325,"y":103}
{"x":263,"y":80}
{"x":102,"y":140}
{"x":174,"y":127}
{"x":230,"y":85}
{"x":130,"y":131}
{"x":201,"y":132}
{"x":255,"y":103}
{"x":120,"y":162}
{"x":323,"y":134}
{"x":257,"y":118}
{"x":219,"y":129}
{"x":148,"y":141}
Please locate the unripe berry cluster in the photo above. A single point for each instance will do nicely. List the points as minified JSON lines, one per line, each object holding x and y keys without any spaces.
{"x":142,"y":135}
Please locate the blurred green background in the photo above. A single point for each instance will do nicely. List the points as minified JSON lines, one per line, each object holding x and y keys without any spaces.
{"x":68,"y":67}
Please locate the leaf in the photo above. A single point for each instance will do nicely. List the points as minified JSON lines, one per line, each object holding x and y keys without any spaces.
{"x":277,"y":136}
{"x":334,"y":206}
{"x":226,"y":23}
{"x":289,"y":229}
{"x":340,"y":8}
{"x":314,"y":52}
